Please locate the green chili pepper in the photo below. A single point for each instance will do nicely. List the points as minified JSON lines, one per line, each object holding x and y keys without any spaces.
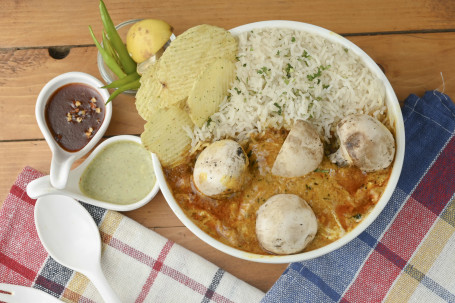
{"x":122,"y":81}
{"x":110,"y":62}
{"x":127,"y":62}
{"x":108,"y":47}
{"x":131,"y":85}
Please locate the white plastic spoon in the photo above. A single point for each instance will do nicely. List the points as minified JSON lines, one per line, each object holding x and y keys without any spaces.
{"x":71,"y":237}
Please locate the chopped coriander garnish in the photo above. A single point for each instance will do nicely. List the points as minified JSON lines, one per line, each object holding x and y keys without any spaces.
{"x":296,"y":92}
{"x":237,"y":90}
{"x":315,"y":75}
{"x":324,"y":86}
{"x":279,"y":108}
{"x":244,"y":64}
{"x":237,"y":58}
{"x":278,"y":52}
{"x":209,"y":120}
{"x":289,"y":69}
{"x":264,"y":70}
{"x":293,"y":39}
{"x":319,"y":72}
{"x":314,"y":97}
{"x":346,"y":50}
{"x":305,"y":54}
{"x":310,"y":106}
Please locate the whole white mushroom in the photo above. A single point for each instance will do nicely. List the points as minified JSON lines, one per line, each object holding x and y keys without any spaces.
{"x":220,"y":168}
{"x":285,"y":224}
{"x":364,"y":142}
{"x":301,"y":152}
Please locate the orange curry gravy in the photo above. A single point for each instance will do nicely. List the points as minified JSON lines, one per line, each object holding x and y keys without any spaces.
{"x":339,"y":196}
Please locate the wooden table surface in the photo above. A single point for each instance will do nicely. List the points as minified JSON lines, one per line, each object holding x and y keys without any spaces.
{"x":412,"y":40}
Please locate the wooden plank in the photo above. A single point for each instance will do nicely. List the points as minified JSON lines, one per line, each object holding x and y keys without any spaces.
{"x":31,"y":23}
{"x":15,"y":156}
{"x":412,"y":63}
{"x":156,"y":215}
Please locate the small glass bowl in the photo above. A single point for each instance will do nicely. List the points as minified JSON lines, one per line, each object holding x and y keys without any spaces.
{"x":107,"y":75}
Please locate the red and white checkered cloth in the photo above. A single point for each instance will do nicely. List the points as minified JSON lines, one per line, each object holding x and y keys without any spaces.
{"x":140,"y":265}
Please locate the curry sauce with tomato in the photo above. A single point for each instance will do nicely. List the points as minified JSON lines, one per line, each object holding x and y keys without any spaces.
{"x":339,"y":196}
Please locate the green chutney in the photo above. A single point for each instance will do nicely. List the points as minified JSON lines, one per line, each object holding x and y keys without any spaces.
{"x":122,"y":173}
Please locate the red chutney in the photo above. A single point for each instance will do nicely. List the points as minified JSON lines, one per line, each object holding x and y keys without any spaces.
{"x":339,"y":196}
{"x":74,"y":113}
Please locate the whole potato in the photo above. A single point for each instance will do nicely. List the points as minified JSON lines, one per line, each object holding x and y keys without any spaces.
{"x":147,"y":37}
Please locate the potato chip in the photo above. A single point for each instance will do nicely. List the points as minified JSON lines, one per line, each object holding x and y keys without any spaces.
{"x":165,"y":88}
{"x":187,"y":56}
{"x":165,"y":136}
{"x":148,"y":95}
{"x":209,"y":90}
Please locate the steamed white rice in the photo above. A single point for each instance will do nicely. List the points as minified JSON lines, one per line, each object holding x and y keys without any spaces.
{"x":284,"y":75}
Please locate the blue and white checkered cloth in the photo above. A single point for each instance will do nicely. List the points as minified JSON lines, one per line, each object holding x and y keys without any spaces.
{"x":408,"y":253}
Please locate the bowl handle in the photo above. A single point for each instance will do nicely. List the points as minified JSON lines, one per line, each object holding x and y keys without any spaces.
{"x":60,"y":169}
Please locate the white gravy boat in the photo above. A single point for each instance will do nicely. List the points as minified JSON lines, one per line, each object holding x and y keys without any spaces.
{"x":42,"y":186}
{"x":62,"y":160}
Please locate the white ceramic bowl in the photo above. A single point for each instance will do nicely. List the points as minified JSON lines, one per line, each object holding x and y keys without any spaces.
{"x":62,"y":159}
{"x":395,"y":116}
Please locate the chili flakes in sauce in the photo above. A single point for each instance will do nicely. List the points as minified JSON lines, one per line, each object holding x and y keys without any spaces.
{"x":73,"y":114}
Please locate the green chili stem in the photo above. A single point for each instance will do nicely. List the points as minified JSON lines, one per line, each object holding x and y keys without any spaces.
{"x":131,"y":85}
{"x":125,"y":80}
{"x":127,"y":62}
{"x":110,"y":62}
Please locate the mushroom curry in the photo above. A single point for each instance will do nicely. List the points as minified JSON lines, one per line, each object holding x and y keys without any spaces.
{"x":339,"y":196}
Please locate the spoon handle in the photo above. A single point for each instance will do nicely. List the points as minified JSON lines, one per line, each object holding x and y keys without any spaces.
{"x":102,"y":285}
{"x":40,"y":187}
